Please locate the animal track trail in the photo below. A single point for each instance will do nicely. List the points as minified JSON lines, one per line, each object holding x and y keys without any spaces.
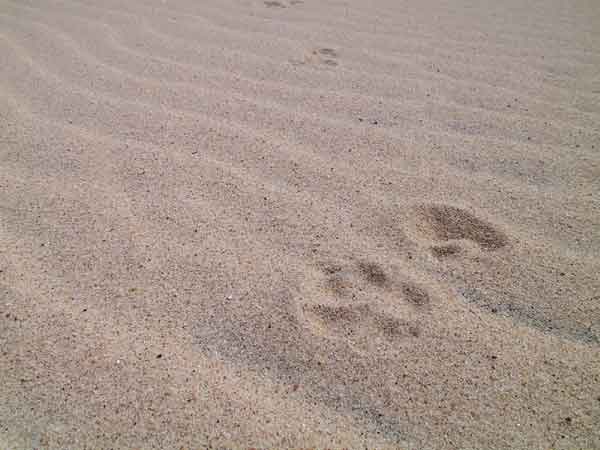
{"x":449,"y":223}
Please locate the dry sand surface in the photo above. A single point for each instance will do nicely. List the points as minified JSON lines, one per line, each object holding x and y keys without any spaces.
{"x":233,"y":223}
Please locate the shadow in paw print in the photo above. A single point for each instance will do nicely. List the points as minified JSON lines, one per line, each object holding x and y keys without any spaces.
{"x":372,"y":273}
{"x":415,"y":295}
{"x":329,"y":52}
{"x":337,"y":280}
{"x":445,"y":251}
{"x":443,"y":222}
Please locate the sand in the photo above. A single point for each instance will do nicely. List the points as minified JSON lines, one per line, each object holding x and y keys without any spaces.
{"x":237,"y":223}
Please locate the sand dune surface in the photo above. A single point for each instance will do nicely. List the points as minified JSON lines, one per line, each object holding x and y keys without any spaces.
{"x":299,"y":223}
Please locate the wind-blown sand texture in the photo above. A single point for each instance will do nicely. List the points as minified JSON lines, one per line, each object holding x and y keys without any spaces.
{"x":237,"y":223}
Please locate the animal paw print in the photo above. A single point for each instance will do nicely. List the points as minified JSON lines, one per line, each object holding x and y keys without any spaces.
{"x":450,"y":225}
{"x":325,"y":56}
{"x":353,"y":301}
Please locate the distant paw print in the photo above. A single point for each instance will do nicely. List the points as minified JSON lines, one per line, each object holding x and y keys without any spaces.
{"x":278,"y":4}
{"x":324,"y":56}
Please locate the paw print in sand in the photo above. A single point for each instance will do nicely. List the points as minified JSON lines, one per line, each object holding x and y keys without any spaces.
{"x":349,"y":304}
{"x":320,"y":56}
{"x":446,"y":226}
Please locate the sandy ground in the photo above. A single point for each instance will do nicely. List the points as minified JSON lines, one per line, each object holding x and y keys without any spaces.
{"x":237,"y":223}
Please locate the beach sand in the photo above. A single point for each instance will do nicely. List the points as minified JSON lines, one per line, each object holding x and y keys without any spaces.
{"x":237,"y":223}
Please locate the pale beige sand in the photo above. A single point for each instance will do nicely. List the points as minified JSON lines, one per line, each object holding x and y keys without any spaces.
{"x":237,"y":223}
